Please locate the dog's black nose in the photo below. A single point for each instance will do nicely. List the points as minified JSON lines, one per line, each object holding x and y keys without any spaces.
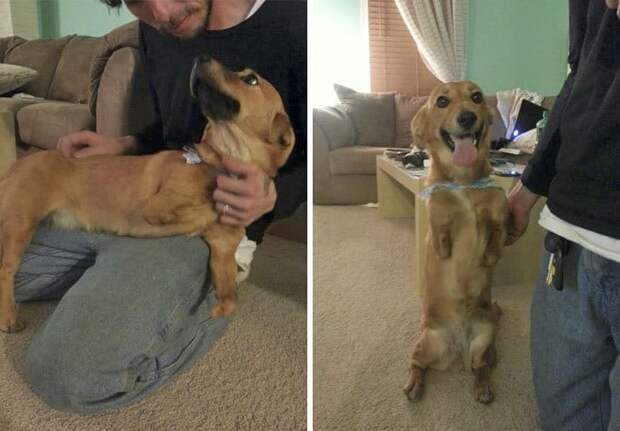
{"x":466,"y":119}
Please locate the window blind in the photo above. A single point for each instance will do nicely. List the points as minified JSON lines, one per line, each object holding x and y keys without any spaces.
{"x":395,"y":64}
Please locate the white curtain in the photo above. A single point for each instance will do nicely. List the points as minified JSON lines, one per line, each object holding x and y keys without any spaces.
{"x":438,"y":28}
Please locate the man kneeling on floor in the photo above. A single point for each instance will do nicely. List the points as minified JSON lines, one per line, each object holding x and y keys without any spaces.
{"x":125,"y":322}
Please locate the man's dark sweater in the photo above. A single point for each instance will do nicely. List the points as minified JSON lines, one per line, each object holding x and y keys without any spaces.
{"x":272,"y":42}
{"x":577,"y":163}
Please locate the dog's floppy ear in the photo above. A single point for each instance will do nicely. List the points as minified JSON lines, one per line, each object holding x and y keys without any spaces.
{"x":418,"y":127}
{"x":281,"y":133}
{"x":489,"y":116}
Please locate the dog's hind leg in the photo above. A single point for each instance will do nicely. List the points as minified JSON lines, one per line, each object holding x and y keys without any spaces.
{"x":414,"y":389}
{"x":483,"y":388}
{"x":431,"y":349}
{"x":483,"y":357}
{"x":14,"y":237}
{"x":223,"y":242}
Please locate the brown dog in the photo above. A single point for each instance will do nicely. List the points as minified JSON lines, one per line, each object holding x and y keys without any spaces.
{"x":150,"y":196}
{"x":466,"y":233}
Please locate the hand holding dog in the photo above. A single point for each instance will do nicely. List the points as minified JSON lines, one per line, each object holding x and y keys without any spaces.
{"x":520,"y":202}
{"x":87,"y":143}
{"x":242,"y":200}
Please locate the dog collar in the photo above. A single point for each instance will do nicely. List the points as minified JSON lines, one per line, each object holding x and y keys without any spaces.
{"x":192,"y":158}
{"x":484,"y":183}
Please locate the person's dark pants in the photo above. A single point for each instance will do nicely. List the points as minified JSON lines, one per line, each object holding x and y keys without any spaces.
{"x":575,"y":339}
{"x":132,"y":313}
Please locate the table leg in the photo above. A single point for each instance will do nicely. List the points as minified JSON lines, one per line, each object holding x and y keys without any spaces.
{"x":394,"y":199}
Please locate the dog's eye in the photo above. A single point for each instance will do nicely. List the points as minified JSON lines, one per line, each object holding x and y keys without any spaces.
{"x":442,"y":102}
{"x":250,"y":79}
{"x":477,"y":97}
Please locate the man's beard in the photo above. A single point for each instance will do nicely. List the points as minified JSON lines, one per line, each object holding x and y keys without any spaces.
{"x":191,"y":9}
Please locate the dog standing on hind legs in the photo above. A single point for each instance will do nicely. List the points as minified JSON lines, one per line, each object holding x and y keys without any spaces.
{"x":467,"y":216}
{"x":150,"y":196}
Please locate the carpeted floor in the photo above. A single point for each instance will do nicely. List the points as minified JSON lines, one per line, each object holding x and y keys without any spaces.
{"x":254,"y":378}
{"x":365,"y":323}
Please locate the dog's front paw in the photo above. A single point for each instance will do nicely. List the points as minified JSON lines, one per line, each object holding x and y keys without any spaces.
{"x":9,"y":321}
{"x":225,"y":308}
{"x":484,"y":393}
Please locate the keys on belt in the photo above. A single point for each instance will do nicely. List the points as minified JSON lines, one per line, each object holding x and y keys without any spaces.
{"x":558,"y":247}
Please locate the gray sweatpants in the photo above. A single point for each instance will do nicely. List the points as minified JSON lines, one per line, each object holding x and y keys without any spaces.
{"x":132,"y":313}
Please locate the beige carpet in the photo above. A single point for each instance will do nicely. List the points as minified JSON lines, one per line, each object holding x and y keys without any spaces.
{"x":254,"y":378}
{"x":365,"y":323}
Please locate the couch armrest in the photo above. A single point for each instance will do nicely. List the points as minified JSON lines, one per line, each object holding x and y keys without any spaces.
{"x":332,"y":129}
{"x":336,"y":125}
{"x":123,"y":105}
{"x":8,"y":149}
{"x":8,"y":43}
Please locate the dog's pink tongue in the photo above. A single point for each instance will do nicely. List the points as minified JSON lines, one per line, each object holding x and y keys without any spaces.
{"x":465,"y":152}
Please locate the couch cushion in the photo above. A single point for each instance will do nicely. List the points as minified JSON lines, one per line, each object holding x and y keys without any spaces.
{"x":14,"y":104}
{"x":406,"y":107}
{"x":72,"y":77}
{"x":372,"y":115}
{"x":356,"y":160}
{"x":43,"y":124}
{"x":7,"y":140}
{"x":41,"y":55}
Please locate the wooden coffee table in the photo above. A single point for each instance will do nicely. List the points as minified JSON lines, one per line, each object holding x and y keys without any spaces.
{"x":399,"y":196}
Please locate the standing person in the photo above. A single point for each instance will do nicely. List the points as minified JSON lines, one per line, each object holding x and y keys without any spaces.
{"x":575,"y":315}
{"x":126,"y":321}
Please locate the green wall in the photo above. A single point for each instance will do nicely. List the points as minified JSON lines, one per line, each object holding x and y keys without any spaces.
{"x":518,"y":44}
{"x":84,"y":17}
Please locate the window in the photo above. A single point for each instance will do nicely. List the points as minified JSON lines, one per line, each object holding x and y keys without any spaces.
{"x":19,"y":17}
{"x":395,"y":64}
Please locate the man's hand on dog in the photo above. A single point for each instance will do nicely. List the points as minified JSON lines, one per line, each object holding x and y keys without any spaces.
{"x":87,"y":143}
{"x":520,"y":203}
{"x":242,"y":200}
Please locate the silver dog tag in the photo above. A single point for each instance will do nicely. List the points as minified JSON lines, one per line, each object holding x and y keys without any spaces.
{"x":191,"y":156}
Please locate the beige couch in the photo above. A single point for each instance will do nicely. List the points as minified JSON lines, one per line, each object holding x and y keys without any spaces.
{"x":348,"y":136}
{"x":83,"y":83}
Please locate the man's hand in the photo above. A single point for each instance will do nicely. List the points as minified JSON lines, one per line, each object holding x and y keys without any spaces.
{"x":242,"y":200}
{"x":87,"y":143}
{"x":520,"y":203}
{"x":614,"y":4}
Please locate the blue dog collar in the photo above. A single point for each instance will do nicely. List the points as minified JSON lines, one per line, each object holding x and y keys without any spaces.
{"x":484,"y":183}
